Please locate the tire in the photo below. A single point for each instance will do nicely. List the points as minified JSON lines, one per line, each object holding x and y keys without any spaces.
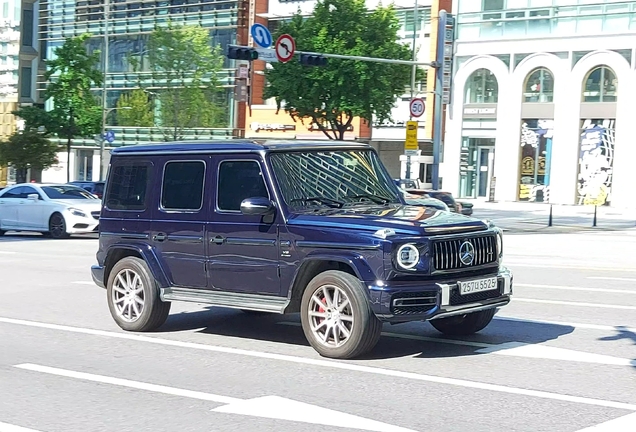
{"x":464,"y":325}
{"x":57,"y":227}
{"x":127,"y":310}
{"x":363,"y":326}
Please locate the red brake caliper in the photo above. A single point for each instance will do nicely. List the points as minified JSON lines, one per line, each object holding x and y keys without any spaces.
{"x":322,"y":310}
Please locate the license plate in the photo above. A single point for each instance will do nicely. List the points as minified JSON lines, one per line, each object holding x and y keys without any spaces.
{"x":477,"y":285}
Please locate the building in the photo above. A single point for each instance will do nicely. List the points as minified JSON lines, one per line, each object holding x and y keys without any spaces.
{"x":387,"y":138}
{"x":126,"y":24}
{"x":543,"y":96}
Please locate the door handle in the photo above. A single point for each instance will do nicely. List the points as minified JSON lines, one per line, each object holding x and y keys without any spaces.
{"x":218,"y":240}
{"x":159,"y":237}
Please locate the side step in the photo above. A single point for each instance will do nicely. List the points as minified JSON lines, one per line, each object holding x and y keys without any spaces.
{"x":253,"y":302}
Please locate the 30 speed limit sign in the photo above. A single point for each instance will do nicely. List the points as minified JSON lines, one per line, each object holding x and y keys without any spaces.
{"x":417,"y":107}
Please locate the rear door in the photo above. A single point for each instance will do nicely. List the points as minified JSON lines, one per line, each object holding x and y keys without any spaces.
{"x":243,"y":249}
{"x":179,"y":220}
{"x":9,"y":202}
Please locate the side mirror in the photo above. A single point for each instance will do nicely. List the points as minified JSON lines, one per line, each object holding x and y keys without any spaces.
{"x":33,"y":197}
{"x":257,"y":206}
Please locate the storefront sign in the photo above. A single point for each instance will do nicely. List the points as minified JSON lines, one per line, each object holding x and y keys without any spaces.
{"x":255,"y":126}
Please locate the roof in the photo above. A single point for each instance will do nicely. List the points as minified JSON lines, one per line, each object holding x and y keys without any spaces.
{"x":236,"y":145}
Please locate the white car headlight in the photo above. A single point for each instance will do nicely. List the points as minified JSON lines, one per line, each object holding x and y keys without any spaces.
{"x":500,"y":243}
{"x":408,"y":256}
{"x":77,"y":212}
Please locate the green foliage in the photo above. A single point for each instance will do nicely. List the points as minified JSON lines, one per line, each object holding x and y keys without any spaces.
{"x":135,"y":109}
{"x":28,"y":149}
{"x":344,"y":89}
{"x":35,"y":119}
{"x":181,"y":57}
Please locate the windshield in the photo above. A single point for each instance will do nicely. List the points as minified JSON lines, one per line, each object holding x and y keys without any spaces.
{"x":332,"y":178}
{"x":66,"y":192}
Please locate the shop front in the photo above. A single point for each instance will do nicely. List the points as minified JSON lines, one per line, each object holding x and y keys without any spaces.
{"x":535,"y":160}
{"x":477,"y":153}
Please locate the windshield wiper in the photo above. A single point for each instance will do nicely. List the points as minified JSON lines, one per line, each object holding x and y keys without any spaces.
{"x":322,"y":200}
{"x":375,"y":198}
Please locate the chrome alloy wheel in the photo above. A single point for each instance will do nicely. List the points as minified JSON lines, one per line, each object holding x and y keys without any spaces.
{"x":128,"y":295}
{"x":331,"y":316}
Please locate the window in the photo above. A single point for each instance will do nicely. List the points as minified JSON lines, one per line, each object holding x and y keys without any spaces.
{"x":66,"y":192}
{"x":11,"y":193}
{"x":482,"y":87}
{"x":239,"y":180}
{"x":182,"y":187}
{"x":25,"y":82}
{"x":539,"y":86}
{"x":600,"y":86}
{"x":27,"y":27}
{"x":127,"y":188}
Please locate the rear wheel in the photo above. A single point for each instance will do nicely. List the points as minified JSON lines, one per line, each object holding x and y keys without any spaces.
{"x":57,"y":226}
{"x":336,"y":317}
{"x":464,"y":325}
{"x":133,"y":298}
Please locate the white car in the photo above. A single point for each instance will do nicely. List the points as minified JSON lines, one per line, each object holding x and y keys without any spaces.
{"x":54,"y":209}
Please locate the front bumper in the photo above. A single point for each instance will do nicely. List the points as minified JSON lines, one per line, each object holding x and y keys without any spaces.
{"x":426,"y":300}
{"x":80,"y":225}
{"x":97,"y":272}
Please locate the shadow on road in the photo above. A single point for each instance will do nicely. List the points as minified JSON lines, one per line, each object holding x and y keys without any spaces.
{"x":622,"y":332}
{"x":413,"y":339}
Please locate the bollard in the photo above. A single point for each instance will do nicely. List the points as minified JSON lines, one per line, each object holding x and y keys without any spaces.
{"x":594,"y":221}
{"x":550,"y":218}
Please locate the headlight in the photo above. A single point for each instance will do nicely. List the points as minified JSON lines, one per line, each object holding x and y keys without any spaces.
{"x":408,"y":256}
{"x":500,"y":243}
{"x":77,"y":212}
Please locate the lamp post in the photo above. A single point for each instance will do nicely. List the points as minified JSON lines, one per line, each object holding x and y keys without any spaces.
{"x":102,"y":139}
{"x":105,"y":111}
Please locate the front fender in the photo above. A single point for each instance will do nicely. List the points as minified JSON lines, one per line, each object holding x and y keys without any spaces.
{"x":117,"y":250}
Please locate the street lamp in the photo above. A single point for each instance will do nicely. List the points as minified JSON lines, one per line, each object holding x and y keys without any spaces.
{"x":102,"y":140}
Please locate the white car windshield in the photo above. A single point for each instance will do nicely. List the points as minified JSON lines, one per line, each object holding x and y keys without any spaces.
{"x":67,"y":192}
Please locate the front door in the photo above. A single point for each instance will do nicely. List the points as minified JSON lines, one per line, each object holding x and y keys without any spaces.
{"x":31,"y":214}
{"x":485,"y":159}
{"x":179,"y":219}
{"x":243,"y":249}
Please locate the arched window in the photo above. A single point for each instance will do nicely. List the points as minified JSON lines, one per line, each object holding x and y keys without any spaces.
{"x":539,"y":86}
{"x":600,"y":85}
{"x":482,"y":87}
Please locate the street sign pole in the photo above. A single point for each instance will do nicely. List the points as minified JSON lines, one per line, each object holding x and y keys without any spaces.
{"x":438,"y":109}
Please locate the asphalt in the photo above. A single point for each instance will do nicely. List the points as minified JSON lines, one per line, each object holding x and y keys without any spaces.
{"x":560,"y":357}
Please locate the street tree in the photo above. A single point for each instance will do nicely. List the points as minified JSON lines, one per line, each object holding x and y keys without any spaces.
{"x":135,"y":109}
{"x":28,"y":149}
{"x":182,"y":58}
{"x":332,"y":95}
{"x":70,"y":75}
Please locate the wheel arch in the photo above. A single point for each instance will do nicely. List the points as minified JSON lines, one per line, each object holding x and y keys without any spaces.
{"x":118,"y":252}
{"x":313,"y":265}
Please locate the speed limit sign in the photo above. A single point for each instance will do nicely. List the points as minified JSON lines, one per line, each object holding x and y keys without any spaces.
{"x":417,"y":107}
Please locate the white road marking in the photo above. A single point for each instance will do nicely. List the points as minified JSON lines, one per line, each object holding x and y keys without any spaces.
{"x":328,"y":364}
{"x":622,"y":424}
{"x":612,"y":278}
{"x":567,"y":324}
{"x":571,"y":288}
{"x":7,"y":253}
{"x":273,"y":407}
{"x":577,"y":267}
{"x":6,"y":427}
{"x":569,"y":303}
{"x":518,"y":349}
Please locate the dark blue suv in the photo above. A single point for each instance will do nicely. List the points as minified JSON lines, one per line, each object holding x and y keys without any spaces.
{"x":317,"y":228}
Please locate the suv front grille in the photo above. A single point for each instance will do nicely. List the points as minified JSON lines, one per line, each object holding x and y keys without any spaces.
{"x":446,"y":252}
{"x":413,"y":303}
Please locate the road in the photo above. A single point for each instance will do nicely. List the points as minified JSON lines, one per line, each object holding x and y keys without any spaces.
{"x":560,"y":358}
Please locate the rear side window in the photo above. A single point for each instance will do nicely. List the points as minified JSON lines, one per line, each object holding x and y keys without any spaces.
{"x":182,"y":187}
{"x":239,"y":180}
{"x":127,"y":188}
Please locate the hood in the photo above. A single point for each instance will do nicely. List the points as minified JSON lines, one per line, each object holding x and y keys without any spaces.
{"x":403,"y":219}
{"x":88,"y":205}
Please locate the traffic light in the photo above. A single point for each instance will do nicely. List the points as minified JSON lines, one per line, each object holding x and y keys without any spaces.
{"x":313,"y":60}
{"x":237,"y":52}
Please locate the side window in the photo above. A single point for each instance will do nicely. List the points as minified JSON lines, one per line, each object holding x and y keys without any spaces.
{"x":182,"y":187}
{"x":12,"y":193}
{"x":127,"y":188}
{"x":239,"y":180}
{"x":27,"y":190}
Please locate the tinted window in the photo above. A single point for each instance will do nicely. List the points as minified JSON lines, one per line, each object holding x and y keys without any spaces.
{"x":183,"y":186}
{"x":65,"y":192}
{"x":11,"y":193}
{"x":127,"y":187}
{"x":239,"y":180}
{"x":28,"y":190}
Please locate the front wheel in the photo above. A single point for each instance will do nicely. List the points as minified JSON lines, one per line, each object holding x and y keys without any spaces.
{"x":57,"y":227}
{"x":133,"y":298}
{"x":336,"y":317}
{"x":464,"y":325}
